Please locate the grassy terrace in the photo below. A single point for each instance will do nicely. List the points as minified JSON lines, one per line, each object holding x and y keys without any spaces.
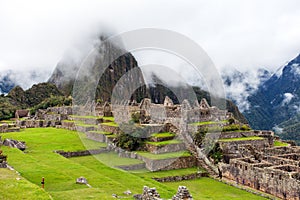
{"x":85,"y":117}
{"x":163,"y":143}
{"x":280,"y":144}
{"x":164,"y":155}
{"x":163,"y":135}
{"x":241,"y":139}
{"x":174,"y":172}
{"x":112,"y":119}
{"x":110,"y":159}
{"x":111,"y":124}
{"x":16,"y":187}
{"x":209,"y":122}
{"x":206,"y":188}
{"x":60,"y":173}
{"x":101,"y":132}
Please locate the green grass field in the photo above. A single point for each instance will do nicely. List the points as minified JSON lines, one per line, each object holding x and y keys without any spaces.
{"x":162,"y":135}
{"x":13,"y":186}
{"x":60,"y":173}
{"x":280,"y":144}
{"x":241,"y":139}
{"x":163,"y":143}
{"x":209,"y":122}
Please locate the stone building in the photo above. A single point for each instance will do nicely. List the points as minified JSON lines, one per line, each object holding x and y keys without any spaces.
{"x":276,"y":171}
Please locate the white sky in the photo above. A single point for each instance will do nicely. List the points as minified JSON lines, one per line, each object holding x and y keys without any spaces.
{"x":243,"y":34}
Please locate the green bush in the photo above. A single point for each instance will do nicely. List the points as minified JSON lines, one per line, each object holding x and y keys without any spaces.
{"x":51,"y":102}
{"x":216,"y":153}
{"x":199,"y":136}
{"x":136,"y":116}
{"x":133,"y":138}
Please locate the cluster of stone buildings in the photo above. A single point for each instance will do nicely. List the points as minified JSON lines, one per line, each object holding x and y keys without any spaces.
{"x":255,"y":162}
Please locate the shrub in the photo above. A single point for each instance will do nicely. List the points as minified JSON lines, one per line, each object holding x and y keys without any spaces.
{"x":133,"y":138}
{"x":136,"y":116}
{"x":216,"y":153}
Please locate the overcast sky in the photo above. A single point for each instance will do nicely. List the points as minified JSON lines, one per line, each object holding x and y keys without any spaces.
{"x":243,"y":34}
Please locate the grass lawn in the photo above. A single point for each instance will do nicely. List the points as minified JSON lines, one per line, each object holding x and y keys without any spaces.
{"x":111,"y":159}
{"x":85,"y":117}
{"x":164,"y":155}
{"x":60,"y":173}
{"x":101,"y":132}
{"x":112,"y":119}
{"x":164,"y":173}
{"x":241,"y":139}
{"x":111,"y":124}
{"x":280,"y":144}
{"x":13,"y":186}
{"x":206,"y":188}
{"x":163,"y":143}
{"x":209,"y":122}
{"x":163,"y":135}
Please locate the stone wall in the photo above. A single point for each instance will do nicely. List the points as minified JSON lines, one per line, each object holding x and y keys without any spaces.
{"x":70,"y":125}
{"x":182,"y":178}
{"x":232,"y":147}
{"x":98,"y":137}
{"x":166,"y":148}
{"x":265,"y":177}
{"x":69,"y":154}
{"x":132,"y":167}
{"x":110,"y":129}
{"x":169,"y":164}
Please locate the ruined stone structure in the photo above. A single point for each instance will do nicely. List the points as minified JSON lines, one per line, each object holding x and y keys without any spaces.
{"x":274,"y":170}
{"x":169,"y":112}
{"x":182,"y":193}
{"x":251,"y":162}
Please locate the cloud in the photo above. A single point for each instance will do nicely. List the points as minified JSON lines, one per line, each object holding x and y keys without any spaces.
{"x":240,"y":85}
{"x":227,"y":30}
{"x":277,"y":129}
{"x":245,"y":34}
{"x":287,"y":97}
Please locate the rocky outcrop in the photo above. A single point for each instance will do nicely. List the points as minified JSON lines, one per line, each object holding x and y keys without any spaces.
{"x":15,"y":144}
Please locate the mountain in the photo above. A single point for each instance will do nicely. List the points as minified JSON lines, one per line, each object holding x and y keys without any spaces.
{"x":24,"y":78}
{"x":240,"y":85}
{"x":17,"y":98}
{"x":33,"y":96}
{"x":66,"y":72}
{"x":277,"y":100}
{"x":6,"y":84}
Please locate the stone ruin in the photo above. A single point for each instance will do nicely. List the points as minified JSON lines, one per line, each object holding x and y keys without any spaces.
{"x":81,"y":180}
{"x":14,"y":144}
{"x":257,"y":164}
{"x":3,"y":159}
{"x":152,"y":194}
{"x":182,"y":194}
{"x":151,"y":113}
{"x":148,"y":194}
{"x":274,"y":170}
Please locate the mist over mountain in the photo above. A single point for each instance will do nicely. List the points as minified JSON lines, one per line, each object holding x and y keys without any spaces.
{"x":276,"y":103}
{"x":240,"y":85}
{"x":11,"y":78}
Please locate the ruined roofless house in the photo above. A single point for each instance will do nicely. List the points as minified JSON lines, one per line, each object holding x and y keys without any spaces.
{"x":22,"y":113}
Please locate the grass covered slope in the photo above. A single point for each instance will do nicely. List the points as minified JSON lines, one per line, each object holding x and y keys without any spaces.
{"x":12,"y":186}
{"x":60,"y":173}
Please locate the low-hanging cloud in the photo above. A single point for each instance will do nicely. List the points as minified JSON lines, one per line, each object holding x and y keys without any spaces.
{"x":247,"y":34}
{"x":287,"y":97}
{"x":240,"y":85}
